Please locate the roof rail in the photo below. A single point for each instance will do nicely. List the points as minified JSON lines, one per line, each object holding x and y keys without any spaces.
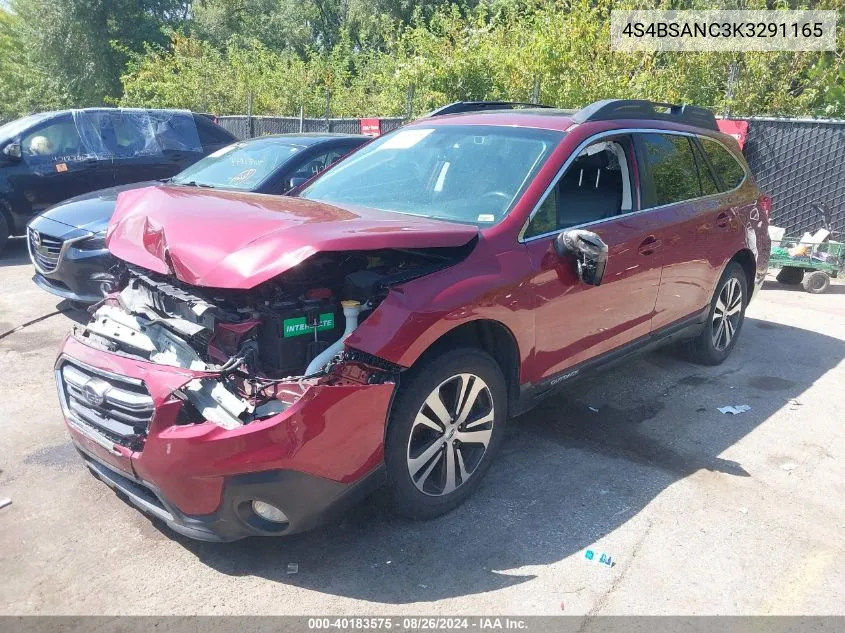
{"x":641,"y":109}
{"x":480,"y":106}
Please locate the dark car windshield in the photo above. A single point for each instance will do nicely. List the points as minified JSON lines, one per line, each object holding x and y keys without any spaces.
{"x":13,"y":128}
{"x":244,"y":165}
{"x":463,"y":173}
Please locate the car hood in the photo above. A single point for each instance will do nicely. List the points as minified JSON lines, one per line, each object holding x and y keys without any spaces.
{"x":90,"y":211}
{"x":226,"y":239}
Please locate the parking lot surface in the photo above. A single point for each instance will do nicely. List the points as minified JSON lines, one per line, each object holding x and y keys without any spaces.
{"x":700,"y":512}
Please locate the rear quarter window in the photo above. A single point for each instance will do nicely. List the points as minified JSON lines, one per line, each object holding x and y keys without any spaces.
{"x":728,"y":168}
{"x":211,"y":134}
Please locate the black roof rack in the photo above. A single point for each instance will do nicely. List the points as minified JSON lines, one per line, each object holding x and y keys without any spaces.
{"x":480,"y":106}
{"x":639,"y":109}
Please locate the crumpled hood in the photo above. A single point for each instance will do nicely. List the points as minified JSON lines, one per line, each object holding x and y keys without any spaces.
{"x":226,"y":239}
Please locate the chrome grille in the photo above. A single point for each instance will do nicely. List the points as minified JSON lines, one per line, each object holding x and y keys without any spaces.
{"x":117,"y":409}
{"x":44,"y":250}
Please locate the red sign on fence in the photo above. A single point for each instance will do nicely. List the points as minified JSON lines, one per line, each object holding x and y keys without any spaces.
{"x":371,"y":127}
{"x":737,"y":129}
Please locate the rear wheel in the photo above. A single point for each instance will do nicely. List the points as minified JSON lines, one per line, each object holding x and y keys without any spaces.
{"x":727,"y":313}
{"x":816,"y":282}
{"x":790,"y":275}
{"x":446,"y":425}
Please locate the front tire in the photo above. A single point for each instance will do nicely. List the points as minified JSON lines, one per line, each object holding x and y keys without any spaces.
{"x":446,"y":426}
{"x":725,"y":318}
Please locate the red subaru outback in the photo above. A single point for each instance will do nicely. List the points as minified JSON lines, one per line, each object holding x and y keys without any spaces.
{"x":264,"y":361}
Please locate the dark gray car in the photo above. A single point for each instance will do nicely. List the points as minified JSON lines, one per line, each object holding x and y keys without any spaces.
{"x":49,"y":157}
{"x":67,"y":242}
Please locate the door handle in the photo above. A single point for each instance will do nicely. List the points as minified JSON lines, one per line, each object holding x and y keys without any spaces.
{"x":649,"y":245}
{"x":723,"y":220}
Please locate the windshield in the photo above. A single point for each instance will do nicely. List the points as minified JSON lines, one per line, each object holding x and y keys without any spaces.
{"x":463,"y":173}
{"x":244,"y":165}
{"x":13,"y":128}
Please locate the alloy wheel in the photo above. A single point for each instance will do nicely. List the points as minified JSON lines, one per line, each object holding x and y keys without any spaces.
{"x":727,"y":315}
{"x":450,"y":434}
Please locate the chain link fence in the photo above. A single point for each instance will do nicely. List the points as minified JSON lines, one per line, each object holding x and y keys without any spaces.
{"x":244,"y":126}
{"x":799,"y":162}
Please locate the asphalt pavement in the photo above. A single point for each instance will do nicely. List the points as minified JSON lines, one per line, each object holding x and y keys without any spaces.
{"x":699,"y":512}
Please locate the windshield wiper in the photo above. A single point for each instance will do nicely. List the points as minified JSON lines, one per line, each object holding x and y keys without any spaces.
{"x":191,"y":183}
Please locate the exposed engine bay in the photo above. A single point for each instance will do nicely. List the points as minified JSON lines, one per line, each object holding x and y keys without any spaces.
{"x":257,"y":350}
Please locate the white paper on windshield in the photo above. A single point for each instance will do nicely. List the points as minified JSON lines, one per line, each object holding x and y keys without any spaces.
{"x":225,"y":150}
{"x":405,"y":139}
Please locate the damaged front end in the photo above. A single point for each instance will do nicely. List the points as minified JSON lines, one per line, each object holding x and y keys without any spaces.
{"x":253,"y":353}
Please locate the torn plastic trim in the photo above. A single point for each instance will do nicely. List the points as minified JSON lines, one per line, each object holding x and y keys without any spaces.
{"x":150,"y":337}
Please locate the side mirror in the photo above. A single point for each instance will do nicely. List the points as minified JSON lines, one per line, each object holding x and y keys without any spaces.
{"x":590,"y":253}
{"x":295,"y":181}
{"x":12,"y":151}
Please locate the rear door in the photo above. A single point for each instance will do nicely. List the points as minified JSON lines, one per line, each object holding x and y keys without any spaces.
{"x":129,"y":136}
{"x":575,"y":322}
{"x":691,"y":223}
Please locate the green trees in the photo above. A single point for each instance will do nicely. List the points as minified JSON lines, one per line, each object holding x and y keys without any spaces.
{"x":71,"y":44}
{"x":216,"y":55}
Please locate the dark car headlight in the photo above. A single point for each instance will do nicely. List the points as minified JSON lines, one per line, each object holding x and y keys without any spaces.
{"x":94,"y":243}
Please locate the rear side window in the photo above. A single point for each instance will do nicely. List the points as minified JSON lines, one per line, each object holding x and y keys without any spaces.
{"x":674,"y":173}
{"x":211,"y":134}
{"x":730,"y":171}
{"x":175,"y":131}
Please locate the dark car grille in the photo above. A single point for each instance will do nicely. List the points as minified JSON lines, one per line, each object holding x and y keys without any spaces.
{"x":114,"y":408}
{"x":44,"y":250}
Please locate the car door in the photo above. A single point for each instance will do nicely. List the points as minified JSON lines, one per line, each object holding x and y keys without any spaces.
{"x":737,"y":214}
{"x":57,"y":164}
{"x":574,"y":322}
{"x":138,"y":156}
{"x":684,"y":200}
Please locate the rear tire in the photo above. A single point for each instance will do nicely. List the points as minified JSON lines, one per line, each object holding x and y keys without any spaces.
{"x":790,"y":275}
{"x":4,"y":232}
{"x":437,"y":455}
{"x":724,"y":320}
{"x":816,"y":282}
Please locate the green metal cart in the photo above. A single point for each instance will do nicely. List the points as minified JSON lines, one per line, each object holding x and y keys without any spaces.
{"x":813,"y":270}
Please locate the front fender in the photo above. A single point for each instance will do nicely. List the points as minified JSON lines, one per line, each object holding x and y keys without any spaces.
{"x":417,"y":314}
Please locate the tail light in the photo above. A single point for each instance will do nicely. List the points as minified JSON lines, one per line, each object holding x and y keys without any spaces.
{"x":766,"y":206}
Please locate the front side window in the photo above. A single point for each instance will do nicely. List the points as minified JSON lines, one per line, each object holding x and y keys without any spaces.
{"x":673,"y":170}
{"x":595,"y":187}
{"x":243,"y":165}
{"x":57,"y":141}
{"x":730,"y":172}
{"x":472,"y":174}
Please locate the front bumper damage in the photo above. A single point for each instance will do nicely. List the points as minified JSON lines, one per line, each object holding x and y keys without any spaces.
{"x":321,"y":453}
